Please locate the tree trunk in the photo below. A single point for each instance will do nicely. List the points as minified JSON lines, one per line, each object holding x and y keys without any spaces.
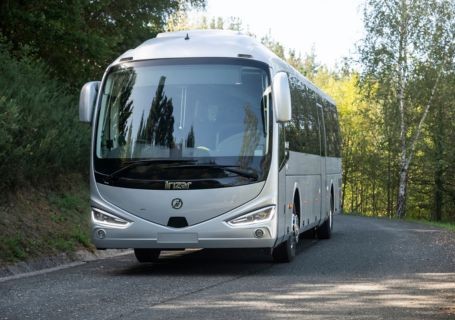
{"x":436,"y":214}
{"x":375,"y":213}
{"x":389,"y":181}
{"x":362,"y":187}
{"x":438,"y":191}
{"x":352,"y":196}
{"x":402,"y":193}
{"x":402,"y":79}
{"x":407,"y":159}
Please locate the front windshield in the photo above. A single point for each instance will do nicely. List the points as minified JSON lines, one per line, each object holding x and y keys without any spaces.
{"x":209,"y":111}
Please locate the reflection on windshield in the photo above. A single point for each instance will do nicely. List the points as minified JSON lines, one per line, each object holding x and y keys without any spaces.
{"x":251,"y":137}
{"x":184,"y":111}
{"x":159,"y":127}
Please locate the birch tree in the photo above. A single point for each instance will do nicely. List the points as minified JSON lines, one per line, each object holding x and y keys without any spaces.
{"x":402,"y":36}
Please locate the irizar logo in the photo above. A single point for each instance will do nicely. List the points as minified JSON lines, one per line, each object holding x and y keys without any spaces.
{"x":178,"y":185}
{"x":177,"y":203}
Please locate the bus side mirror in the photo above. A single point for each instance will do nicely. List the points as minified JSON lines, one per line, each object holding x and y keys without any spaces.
{"x":282,"y":97}
{"x":87,"y":101}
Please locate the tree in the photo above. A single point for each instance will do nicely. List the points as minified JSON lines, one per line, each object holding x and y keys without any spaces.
{"x":362,"y":157}
{"x":77,"y":39}
{"x":273,"y":45}
{"x":402,"y":37}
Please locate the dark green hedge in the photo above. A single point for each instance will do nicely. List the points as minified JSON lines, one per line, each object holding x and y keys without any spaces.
{"x":40,"y":136}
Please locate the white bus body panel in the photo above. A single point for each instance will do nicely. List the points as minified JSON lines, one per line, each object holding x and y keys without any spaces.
{"x":198,"y":205}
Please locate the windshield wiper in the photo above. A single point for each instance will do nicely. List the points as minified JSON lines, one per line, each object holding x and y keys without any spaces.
{"x":138,"y":163}
{"x":241,"y":172}
{"x":250,"y":174}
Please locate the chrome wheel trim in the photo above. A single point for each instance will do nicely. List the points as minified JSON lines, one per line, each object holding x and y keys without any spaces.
{"x":330,"y":219}
{"x":295,"y":226}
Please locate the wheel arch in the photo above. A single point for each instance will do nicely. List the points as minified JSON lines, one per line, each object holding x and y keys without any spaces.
{"x":297,"y":202}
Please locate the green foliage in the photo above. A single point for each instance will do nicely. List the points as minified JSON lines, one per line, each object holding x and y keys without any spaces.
{"x":45,"y":221}
{"x":78,"y":39}
{"x":407,"y":57}
{"x":69,"y":206}
{"x":12,"y":248}
{"x":41,"y":135}
{"x":446,"y":225}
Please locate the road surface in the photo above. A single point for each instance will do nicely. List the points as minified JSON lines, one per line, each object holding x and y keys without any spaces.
{"x":370,"y":269}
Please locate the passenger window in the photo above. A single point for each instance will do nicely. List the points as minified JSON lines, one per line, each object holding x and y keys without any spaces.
{"x":303,"y":132}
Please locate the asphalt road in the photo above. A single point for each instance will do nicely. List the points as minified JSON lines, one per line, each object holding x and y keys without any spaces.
{"x":370,"y":269}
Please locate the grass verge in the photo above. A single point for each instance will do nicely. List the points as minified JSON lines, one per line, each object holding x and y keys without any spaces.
{"x":445,"y":225}
{"x":36,"y":222}
{"x":441,"y":224}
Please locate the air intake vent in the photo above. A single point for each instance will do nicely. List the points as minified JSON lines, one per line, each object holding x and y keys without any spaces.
{"x":177,"y":222}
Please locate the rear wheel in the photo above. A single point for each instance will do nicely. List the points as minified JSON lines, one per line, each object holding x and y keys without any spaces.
{"x":147,"y":255}
{"x":325,"y":230}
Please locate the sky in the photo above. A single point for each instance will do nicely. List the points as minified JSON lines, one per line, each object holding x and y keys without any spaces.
{"x":331,"y":27}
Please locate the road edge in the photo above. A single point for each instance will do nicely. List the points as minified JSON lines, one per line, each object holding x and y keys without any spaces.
{"x":52,"y":263}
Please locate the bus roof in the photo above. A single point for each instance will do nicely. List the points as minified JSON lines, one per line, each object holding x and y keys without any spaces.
{"x":211,"y":43}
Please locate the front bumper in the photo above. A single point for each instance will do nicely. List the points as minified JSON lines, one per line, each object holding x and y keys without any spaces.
{"x":214,"y":233}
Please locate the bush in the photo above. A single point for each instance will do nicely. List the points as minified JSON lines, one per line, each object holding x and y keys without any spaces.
{"x":40,"y":135}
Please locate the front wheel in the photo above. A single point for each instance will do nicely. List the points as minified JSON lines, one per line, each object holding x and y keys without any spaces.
{"x":285,"y":252}
{"x":147,"y":255}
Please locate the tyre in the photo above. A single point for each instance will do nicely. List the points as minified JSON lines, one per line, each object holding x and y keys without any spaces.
{"x":147,"y":255}
{"x":325,"y":230}
{"x":285,"y":252}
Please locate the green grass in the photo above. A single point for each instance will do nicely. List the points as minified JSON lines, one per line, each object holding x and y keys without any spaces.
{"x":441,"y":224}
{"x":46,"y":221}
{"x":12,"y":249}
{"x":445,"y":225}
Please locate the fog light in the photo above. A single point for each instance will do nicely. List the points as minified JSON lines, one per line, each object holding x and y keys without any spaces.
{"x":101,"y":234}
{"x":259,"y":233}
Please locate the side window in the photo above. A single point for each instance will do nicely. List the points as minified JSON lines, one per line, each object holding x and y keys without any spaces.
{"x":313,"y":130}
{"x":303,"y":130}
{"x":294,"y":129}
{"x":321,"y":129}
{"x":332,"y":130}
{"x":337,"y":134}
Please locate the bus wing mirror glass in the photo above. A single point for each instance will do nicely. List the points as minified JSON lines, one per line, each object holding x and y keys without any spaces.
{"x":87,"y":101}
{"x":282,"y":97}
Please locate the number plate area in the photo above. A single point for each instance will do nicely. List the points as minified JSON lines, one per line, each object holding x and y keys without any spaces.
{"x":177,"y":238}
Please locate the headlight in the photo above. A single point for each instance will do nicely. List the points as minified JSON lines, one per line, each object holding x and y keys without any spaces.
{"x":102,"y":217}
{"x":261,"y":215}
